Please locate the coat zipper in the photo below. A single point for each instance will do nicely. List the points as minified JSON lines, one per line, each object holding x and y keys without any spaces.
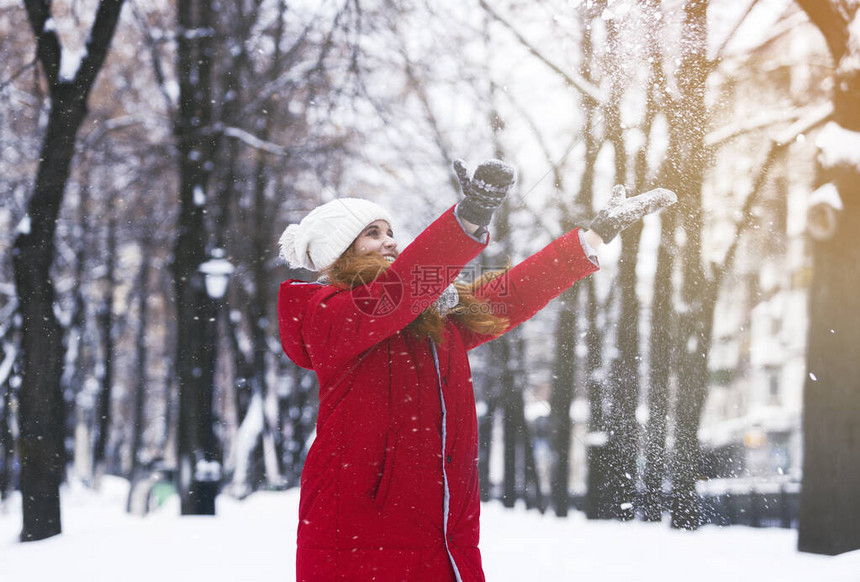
{"x":447,"y":498}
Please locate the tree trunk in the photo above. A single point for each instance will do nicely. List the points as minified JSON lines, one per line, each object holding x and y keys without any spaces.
{"x":596,"y":503}
{"x":564,"y":376}
{"x":692,"y":391}
{"x":597,"y":480}
{"x":77,"y":339}
{"x":622,"y":445}
{"x":260,"y":244}
{"x":138,"y":416}
{"x":532,"y":490}
{"x":830,"y":500}
{"x":41,"y":401}
{"x":502,"y":357}
{"x":106,"y":321}
{"x":485,"y":444}
{"x":8,"y":357}
{"x":623,"y":442}
{"x":654,"y":445}
{"x":196,"y":311}
{"x":660,"y":364}
{"x":258,"y":314}
{"x":698,"y":294}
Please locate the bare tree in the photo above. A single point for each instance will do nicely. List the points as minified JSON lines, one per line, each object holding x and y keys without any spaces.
{"x":661,"y":311}
{"x":41,"y":410}
{"x":688,"y":116}
{"x":196,"y":311}
{"x":623,"y":381}
{"x":139,"y":391}
{"x":106,"y":320}
{"x":688,"y":156}
{"x":9,"y":323}
{"x":830,"y":500}
{"x":566,"y":332}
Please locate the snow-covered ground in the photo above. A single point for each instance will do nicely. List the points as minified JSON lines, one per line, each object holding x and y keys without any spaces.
{"x":254,"y":540}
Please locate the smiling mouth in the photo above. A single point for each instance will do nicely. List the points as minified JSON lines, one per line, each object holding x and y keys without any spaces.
{"x":389,"y":258}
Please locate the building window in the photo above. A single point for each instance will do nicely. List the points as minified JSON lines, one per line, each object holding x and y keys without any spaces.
{"x":773,"y":388}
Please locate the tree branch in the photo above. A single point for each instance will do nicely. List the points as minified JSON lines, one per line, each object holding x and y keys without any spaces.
{"x":719,"y":137}
{"x":98,"y":42}
{"x":418,"y":89}
{"x":152,"y":46}
{"x":814,"y":117}
{"x":572,"y":78}
{"x":541,"y":141}
{"x":833,"y":25}
{"x":18,"y":73}
{"x":48,"y":49}
{"x":254,"y":141}
{"x":732,"y":33}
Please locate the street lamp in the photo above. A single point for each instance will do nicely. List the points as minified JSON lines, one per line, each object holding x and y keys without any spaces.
{"x":207,"y":470}
{"x":217,"y":272}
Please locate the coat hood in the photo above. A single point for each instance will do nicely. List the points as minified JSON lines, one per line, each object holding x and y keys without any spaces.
{"x":293,"y":298}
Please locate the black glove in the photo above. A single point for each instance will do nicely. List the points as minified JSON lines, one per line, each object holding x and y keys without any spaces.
{"x":485,"y":191}
{"x":620,"y":212}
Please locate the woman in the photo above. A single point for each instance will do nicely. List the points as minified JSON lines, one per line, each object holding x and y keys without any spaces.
{"x":389,"y":489}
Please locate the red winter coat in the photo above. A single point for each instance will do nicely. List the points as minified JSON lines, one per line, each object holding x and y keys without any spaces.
{"x":389,"y":490}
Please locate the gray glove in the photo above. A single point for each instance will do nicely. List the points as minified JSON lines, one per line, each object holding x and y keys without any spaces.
{"x":620,"y":212}
{"x":485,"y":191}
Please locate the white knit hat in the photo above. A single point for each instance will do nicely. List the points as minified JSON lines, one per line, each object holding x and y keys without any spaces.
{"x":327,"y":231}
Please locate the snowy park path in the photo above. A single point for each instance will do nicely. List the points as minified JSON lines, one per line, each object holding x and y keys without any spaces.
{"x":254,"y":541}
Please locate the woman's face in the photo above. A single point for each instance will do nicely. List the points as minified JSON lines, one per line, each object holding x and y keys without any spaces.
{"x":377,"y":237}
